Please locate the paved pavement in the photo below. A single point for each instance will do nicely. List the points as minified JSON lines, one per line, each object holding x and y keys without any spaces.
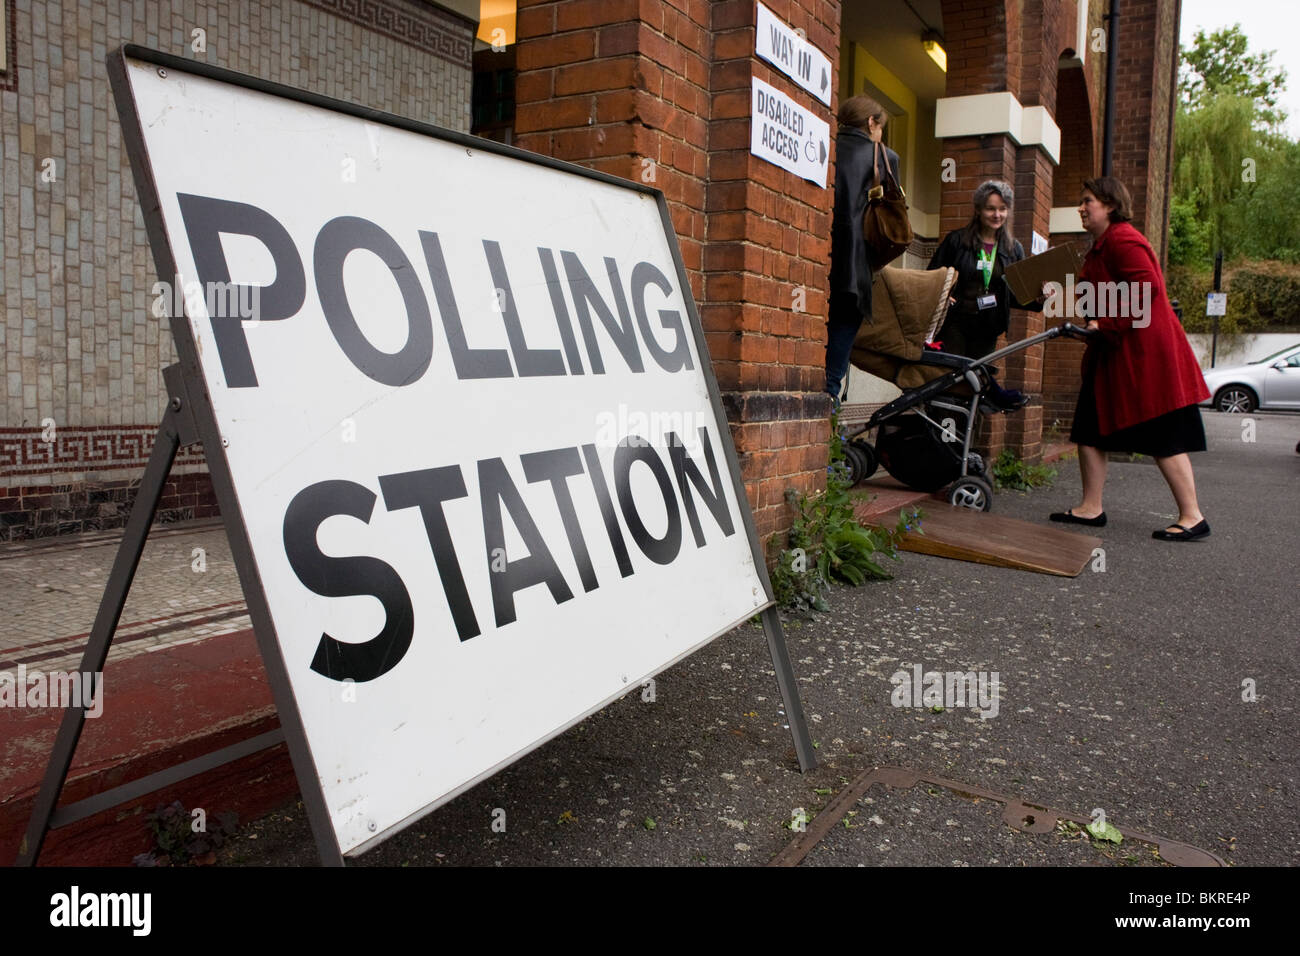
{"x":185,"y":590}
{"x":1121,"y":690}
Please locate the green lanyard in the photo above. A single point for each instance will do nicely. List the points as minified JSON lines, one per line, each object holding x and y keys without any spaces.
{"x":986,"y":264}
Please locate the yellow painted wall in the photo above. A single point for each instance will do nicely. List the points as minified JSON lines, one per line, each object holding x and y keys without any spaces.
{"x":868,"y":70}
{"x":912,"y":135}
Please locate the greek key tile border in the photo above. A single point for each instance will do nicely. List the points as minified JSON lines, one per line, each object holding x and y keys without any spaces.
{"x":25,"y":452}
{"x":419,"y":24}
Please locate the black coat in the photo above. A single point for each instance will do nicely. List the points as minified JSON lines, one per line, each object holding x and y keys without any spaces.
{"x":850,"y":277}
{"x":955,"y":252}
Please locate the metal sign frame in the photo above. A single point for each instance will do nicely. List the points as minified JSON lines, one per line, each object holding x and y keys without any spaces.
{"x":191,"y":418}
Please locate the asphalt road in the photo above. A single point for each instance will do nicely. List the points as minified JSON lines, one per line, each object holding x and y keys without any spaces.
{"x":1121,"y":689}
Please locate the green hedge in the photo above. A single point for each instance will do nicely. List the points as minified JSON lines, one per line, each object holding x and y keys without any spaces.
{"x":1262,"y":297}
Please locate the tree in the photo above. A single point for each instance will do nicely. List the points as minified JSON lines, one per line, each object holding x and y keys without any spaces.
{"x":1271,"y":228}
{"x":1211,"y":142}
{"x":1220,"y":64}
{"x":1236,"y":177}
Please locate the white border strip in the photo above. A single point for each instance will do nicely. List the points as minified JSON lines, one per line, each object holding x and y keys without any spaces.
{"x":984,"y":114}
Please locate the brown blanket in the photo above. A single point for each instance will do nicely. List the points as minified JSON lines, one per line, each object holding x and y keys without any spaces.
{"x":908,"y":306}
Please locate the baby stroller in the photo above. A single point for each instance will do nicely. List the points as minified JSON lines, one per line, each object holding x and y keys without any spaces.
{"x":923,"y":436}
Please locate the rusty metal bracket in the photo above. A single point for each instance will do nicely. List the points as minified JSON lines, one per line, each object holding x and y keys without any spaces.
{"x":1016,"y":813}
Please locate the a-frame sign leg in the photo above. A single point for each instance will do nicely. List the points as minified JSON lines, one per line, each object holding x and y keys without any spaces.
{"x":101,"y":633}
{"x":803,"y":747}
{"x":178,"y":428}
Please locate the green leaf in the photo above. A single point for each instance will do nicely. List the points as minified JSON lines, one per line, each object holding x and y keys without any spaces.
{"x":1102,"y":830}
{"x":853,"y":575}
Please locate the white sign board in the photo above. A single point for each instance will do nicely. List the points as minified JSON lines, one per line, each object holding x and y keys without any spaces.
{"x":469,"y":428}
{"x":784,"y":133}
{"x":1038,"y":244}
{"x":1216,"y":303}
{"x":791,"y":53}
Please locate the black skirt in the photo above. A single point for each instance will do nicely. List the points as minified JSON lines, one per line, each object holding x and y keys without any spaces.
{"x":1172,"y":433}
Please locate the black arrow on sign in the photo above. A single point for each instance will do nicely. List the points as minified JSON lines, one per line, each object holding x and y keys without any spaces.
{"x":821,"y":148}
{"x":825,"y":79}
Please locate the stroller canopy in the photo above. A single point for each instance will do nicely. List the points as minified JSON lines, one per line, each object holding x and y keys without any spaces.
{"x":908,"y":306}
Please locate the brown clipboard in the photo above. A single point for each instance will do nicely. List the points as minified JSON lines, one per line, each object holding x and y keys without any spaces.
{"x":1026,"y":277}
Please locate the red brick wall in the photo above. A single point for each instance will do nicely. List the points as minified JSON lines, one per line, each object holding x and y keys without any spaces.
{"x":1079,"y":151}
{"x":768,"y":238}
{"x":1164,"y":92}
{"x":1146,"y":63}
{"x":43,"y":511}
{"x":659,"y":92}
{"x":982,"y":45}
{"x":977,"y":158}
{"x":621,"y":86}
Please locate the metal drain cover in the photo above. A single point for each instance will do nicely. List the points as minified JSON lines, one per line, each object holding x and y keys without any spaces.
{"x":891,"y":816}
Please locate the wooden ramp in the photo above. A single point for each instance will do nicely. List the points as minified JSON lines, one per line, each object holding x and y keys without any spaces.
{"x":987,"y":538}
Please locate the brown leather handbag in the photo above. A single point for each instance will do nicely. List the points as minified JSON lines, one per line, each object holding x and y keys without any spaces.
{"x":885,"y":225}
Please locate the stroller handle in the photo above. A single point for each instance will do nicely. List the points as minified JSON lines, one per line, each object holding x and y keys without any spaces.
{"x":1077,"y":331}
{"x":1056,"y":331}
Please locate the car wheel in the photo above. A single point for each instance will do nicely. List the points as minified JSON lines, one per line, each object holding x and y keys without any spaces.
{"x":970,"y":492}
{"x":1236,"y":399}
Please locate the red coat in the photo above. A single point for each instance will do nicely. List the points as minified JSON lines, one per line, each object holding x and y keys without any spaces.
{"x":1140,"y":371}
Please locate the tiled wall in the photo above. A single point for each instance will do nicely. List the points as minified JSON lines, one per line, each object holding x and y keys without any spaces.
{"x":83,"y":353}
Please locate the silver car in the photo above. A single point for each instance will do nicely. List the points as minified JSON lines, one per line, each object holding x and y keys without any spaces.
{"x":1272,"y":382}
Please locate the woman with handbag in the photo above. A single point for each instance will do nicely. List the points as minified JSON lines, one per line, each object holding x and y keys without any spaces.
{"x":861,"y":163}
{"x":981,"y":303}
{"x":1141,"y":383}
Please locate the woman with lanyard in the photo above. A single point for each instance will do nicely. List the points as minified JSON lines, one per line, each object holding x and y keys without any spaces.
{"x":980,"y":309}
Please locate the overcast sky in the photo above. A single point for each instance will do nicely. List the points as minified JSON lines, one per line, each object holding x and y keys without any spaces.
{"x":1268,"y":25}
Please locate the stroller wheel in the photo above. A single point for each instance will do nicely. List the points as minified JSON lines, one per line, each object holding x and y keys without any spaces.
{"x":971,"y":492}
{"x":869,"y":460}
{"x":853,"y":457}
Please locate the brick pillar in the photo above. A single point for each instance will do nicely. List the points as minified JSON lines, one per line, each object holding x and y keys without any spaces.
{"x":1005,"y":46}
{"x":979,"y":158}
{"x":983,"y":57}
{"x":1080,"y":160}
{"x":1145,"y":83}
{"x":1041,"y":29}
{"x":659,"y":92}
{"x":767,"y":264}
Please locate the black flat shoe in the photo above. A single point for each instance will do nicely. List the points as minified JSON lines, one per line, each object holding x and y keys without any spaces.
{"x":1194,"y":533}
{"x":1069,"y":517}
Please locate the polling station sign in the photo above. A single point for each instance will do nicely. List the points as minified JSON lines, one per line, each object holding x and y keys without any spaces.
{"x":471,"y":429}
{"x":784,"y":133}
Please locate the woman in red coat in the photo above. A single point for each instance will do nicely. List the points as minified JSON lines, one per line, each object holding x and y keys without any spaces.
{"x":1141,"y":382}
